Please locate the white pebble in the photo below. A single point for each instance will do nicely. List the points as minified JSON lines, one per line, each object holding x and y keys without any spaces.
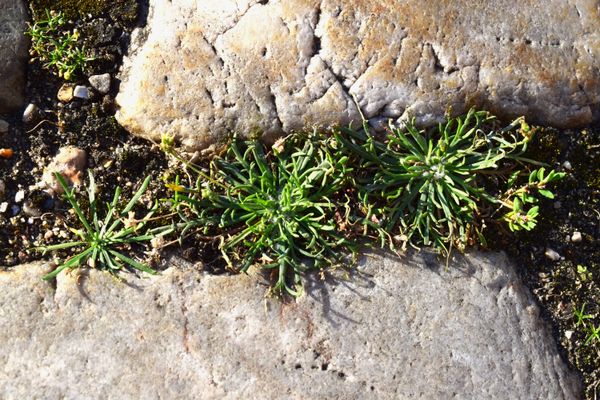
{"x":567,"y":165}
{"x":576,"y":237}
{"x":552,"y":255}
{"x":3,"y":207}
{"x":568,"y":334}
{"x":19,"y":196}
{"x":81,"y":92}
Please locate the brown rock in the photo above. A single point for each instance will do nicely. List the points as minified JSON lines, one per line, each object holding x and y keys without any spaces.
{"x":65,"y":93}
{"x":70,"y":162}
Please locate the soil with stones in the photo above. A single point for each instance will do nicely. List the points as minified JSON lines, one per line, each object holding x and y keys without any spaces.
{"x":559,"y":261}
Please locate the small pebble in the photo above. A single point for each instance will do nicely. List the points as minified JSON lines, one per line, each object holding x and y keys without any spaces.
{"x":568,"y":334}
{"x":81,"y":92}
{"x":48,"y":235}
{"x":567,"y":166}
{"x":552,"y":255}
{"x":70,"y":162}
{"x":3,"y":207}
{"x":19,"y":196}
{"x":2,"y":188}
{"x":101,"y":83}
{"x":3,"y":126}
{"x":31,"y":114}
{"x":6,"y":153}
{"x":15,"y":209}
{"x":557,"y":205}
{"x":65,"y":93}
{"x":576,"y":237}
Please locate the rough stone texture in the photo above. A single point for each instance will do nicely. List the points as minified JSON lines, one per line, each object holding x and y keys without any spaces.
{"x":212,"y":67}
{"x":13,"y":54}
{"x":395,"y":330}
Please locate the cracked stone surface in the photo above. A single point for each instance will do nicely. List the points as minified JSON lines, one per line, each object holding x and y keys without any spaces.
{"x":398,"y":328}
{"x":13,"y":54}
{"x":202,"y":69}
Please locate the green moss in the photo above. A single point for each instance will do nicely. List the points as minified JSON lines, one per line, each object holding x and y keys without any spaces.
{"x":119,"y":10}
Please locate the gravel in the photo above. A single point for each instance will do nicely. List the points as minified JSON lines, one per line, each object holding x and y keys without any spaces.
{"x":65,"y":93}
{"x":101,"y":83}
{"x":31,"y":114}
{"x":81,"y":92}
{"x":552,"y":255}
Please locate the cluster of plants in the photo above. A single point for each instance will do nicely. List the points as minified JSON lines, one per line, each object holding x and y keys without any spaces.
{"x":307,"y":201}
{"x":59,"y":49}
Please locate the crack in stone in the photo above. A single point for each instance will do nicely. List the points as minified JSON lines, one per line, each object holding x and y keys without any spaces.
{"x":214,"y":49}
{"x":274,"y":102}
{"x":241,"y":16}
{"x":317,"y":47}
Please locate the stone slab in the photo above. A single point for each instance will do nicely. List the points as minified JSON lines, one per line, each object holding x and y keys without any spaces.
{"x":204,"y":69}
{"x":393,"y":329}
{"x":14,"y":47}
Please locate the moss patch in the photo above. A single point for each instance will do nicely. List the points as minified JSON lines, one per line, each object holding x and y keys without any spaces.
{"x":124,"y":11}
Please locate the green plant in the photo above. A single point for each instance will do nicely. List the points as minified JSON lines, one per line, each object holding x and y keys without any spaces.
{"x":103,"y":238}
{"x":592,"y":331}
{"x":308,"y":196}
{"x":581,"y":316}
{"x":593,"y":334}
{"x":56,"y":47}
{"x":284,"y":208}
{"x":517,"y":197}
{"x":429,"y":186}
{"x":584,"y":273}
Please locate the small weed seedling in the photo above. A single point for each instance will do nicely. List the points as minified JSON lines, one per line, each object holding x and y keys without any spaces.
{"x":279,"y":209}
{"x":583,"y":320}
{"x":593,"y":334}
{"x":581,"y":316}
{"x":102,"y":238}
{"x":516,"y":198}
{"x":57,"y":48}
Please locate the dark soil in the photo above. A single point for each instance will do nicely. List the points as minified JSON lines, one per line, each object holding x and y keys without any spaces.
{"x":118,"y":159}
{"x":574,"y":280}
